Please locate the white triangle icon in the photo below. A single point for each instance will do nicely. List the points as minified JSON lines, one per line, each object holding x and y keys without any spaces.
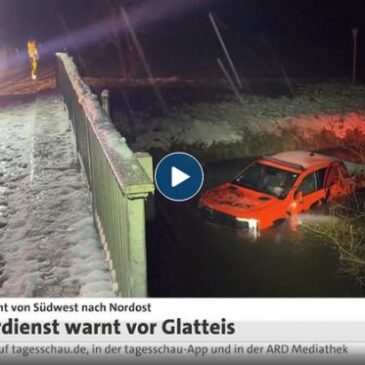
{"x":178,"y":177}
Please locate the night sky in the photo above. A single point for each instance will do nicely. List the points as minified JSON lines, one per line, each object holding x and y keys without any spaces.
{"x":310,"y":38}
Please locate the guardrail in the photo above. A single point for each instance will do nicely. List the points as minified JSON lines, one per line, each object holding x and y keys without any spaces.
{"x":119,"y":181}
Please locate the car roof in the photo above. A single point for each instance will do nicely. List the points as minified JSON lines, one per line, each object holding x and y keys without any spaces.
{"x":301,"y":159}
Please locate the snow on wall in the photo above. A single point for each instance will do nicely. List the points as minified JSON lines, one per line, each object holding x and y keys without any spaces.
{"x":121,"y":158}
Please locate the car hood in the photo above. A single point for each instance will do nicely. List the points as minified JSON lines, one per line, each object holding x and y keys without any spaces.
{"x":236,"y":200}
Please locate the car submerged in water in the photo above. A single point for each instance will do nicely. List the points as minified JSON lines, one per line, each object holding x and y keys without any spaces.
{"x":276,"y":188}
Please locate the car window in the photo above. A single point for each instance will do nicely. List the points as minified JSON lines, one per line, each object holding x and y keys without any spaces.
{"x":308,"y":185}
{"x":266,"y":179}
{"x":313,"y":182}
{"x":320,"y":178}
{"x":332,"y":176}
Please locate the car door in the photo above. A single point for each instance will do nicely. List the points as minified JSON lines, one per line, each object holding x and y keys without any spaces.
{"x":335,"y":182}
{"x":312,"y":190}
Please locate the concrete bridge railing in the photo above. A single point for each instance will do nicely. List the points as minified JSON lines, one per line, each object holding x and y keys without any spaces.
{"x":119,"y":181}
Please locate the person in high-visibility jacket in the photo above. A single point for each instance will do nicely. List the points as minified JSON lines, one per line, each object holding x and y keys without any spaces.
{"x":33,"y":57}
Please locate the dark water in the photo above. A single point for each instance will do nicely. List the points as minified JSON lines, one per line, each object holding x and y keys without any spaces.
{"x":188,"y":256}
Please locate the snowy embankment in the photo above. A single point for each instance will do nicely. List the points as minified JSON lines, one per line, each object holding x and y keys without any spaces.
{"x":48,"y":243}
{"x":319,"y":116}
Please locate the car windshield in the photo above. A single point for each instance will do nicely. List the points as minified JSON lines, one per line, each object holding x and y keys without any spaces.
{"x":266,"y":179}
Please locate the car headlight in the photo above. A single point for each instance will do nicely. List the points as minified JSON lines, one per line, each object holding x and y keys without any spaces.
{"x":252,"y":224}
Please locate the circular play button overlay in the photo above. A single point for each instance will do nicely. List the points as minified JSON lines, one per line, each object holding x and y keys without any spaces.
{"x":179,"y":176}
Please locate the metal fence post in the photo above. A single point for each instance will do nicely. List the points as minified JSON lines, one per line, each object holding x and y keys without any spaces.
{"x":105,"y":101}
{"x":145,"y":159}
{"x":137,"y":248}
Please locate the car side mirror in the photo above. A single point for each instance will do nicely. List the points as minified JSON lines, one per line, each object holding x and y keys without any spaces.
{"x":298,"y":196}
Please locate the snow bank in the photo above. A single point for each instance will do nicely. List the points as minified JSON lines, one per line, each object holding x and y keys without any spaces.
{"x":334,"y":111}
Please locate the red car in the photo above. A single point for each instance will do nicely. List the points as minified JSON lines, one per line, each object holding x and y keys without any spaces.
{"x":272,"y":189}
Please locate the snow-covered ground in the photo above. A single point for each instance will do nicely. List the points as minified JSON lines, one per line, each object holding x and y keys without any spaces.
{"x":48,"y":243}
{"x":337,"y":110}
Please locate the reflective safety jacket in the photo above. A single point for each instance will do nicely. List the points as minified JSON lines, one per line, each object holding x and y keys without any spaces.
{"x":32,"y":50}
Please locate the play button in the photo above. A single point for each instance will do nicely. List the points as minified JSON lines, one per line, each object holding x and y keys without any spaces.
{"x":179,"y":176}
